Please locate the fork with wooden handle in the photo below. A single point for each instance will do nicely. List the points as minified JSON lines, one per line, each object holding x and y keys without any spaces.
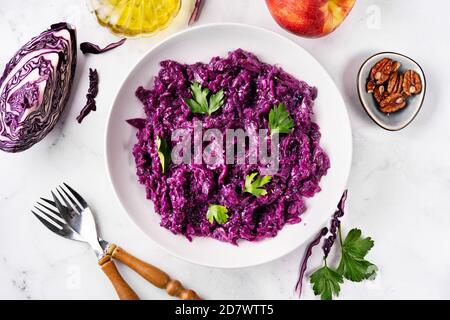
{"x":74,"y":220}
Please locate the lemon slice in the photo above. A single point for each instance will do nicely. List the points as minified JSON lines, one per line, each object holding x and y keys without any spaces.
{"x":135,"y":17}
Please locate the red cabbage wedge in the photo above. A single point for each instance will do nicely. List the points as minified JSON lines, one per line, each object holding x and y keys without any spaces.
{"x":35,"y":87}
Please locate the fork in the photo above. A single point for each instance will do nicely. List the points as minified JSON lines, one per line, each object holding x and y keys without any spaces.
{"x":74,"y":220}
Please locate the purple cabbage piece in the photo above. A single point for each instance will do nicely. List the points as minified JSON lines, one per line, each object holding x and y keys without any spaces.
{"x":89,"y":47}
{"x":35,"y":87}
{"x":138,"y":123}
{"x":182,"y":194}
{"x":334,"y":225}
{"x":304,"y":264}
{"x":195,"y":12}
{"x":90,"y":96}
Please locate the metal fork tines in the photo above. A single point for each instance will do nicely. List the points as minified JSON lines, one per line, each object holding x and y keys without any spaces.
{"x":46,"y":212}
{"x":79,"y":216}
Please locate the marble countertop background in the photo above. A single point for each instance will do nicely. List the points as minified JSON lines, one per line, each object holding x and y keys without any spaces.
{"x":399,"y":185}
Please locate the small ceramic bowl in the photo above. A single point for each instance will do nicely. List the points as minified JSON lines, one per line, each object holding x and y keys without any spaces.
{"x":400,"y":119}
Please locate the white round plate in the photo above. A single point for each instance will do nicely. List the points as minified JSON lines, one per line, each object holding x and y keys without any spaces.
{"x":200,"y":44}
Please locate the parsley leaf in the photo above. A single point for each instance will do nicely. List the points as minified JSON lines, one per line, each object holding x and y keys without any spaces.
{"x":215,"y":101}
{"x":255,"y":187}
{"x":353,"y":266}
{"x":326,"y":282}
{"x":279,"y":120}
{"x":200,"y":104}
{"x":218,"y":213}
{"x":163,"y":153}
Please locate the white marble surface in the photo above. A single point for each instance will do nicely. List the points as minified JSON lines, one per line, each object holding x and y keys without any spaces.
{"x":399,"y":184}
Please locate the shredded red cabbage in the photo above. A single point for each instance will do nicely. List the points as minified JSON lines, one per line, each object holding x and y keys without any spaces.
{"x":90,"y":96}
{"x":335,"y":223}
{"x":183,"y":192}
{"x":89,"y":47}
{"x":196,"y":12}
{"x":304,"y":264}
{"x":137,"y":123}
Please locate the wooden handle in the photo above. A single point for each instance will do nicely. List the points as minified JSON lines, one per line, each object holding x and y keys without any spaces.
{"x":152,"y":274}
{"x":123,"y":290}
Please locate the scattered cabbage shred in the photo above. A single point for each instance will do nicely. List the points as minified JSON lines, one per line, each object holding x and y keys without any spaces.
{"x":35,"y":87}
{"x":89,"y":47}
{"x":183,"y":193}
{"x":90,"y":96}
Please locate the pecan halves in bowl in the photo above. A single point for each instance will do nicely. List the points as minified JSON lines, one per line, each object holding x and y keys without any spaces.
{"x":390,"y":87}
{"x":412,"y":84}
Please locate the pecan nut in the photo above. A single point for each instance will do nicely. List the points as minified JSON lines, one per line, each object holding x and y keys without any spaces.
{"x":379,"y":93}
{"x":383,"y":69}
{"x":393,"y":82}
{"x":412,"y":84}
{"x":393,"y":103}
{"x":398,"y":88}
{"x":370,"y":86}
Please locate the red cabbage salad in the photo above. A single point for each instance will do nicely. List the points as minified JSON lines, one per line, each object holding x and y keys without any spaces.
{"x":222,"y":200}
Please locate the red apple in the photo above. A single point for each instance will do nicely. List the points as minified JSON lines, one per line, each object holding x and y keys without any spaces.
{"x":310,"y":18}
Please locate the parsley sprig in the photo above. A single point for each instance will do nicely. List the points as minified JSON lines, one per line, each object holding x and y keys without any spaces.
{"x":200,"y":103}
{"x":280,"y":120}
{"x":217,"y":213}
{"x":163,"y":153}
{"x":255,"y":186}
{"x":326,"y":282}
{"x":353,"y":266}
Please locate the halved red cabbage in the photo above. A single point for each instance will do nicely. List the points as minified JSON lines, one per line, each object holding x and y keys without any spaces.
{"x":35,"y":87}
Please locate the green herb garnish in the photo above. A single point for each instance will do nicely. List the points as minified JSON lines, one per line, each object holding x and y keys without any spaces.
{"x":326,"y":282}
{"x":163,"y":153}
{"x":217,"y":213}
{"x":200,"y":103}
{"x":255,"y":186}
{"x":215,"y":101}
{"x":353,"y":266}
{"x":279,"y":120}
